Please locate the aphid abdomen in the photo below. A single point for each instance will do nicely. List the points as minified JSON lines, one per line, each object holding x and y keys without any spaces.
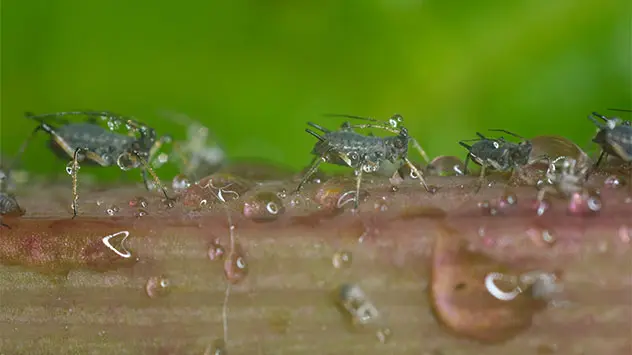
{"x":95,"y":138}
{"x":619,"y":142}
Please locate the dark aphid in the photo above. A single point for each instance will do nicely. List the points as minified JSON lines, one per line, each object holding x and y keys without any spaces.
{"x":365,"y":154}
{"x":496,"y":153}
{"x":90,"y":143}
{"x":614,"y":137}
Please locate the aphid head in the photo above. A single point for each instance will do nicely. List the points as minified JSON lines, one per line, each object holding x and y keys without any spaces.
{"x":399,"y":143}
{"x":521,"y":153}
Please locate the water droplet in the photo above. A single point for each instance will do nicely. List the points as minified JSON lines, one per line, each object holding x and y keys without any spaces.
{"x":263,"y":207}
{"x":542,"y":237}
{"x":445,"y":165}
{"x":581,"y":203}
{"x":168,"y":202}
{"x":69,"y":168}
{"x":235,"y":267}
{"x":613,"y":182}
{"x":541,"y":206}
{"x":100,"y":202}
{"x":157,"y":286}
{"x":112,"y":210}
{"x":282,"y":193}
{"x":342,"y":259}
{"x":180,"y":183}
{"x":487,"y":209}
{"x":508,"y":199}
{"x":384,"y":334}
{"x":140,"y":213}
{"x":394,"y":188}
{"x":358,"y":307}
{"x":139,"y":202}
{"x":216,"y":251}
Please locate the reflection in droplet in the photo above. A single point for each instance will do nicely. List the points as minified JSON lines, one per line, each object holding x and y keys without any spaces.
{"x":263,"y":207}
{"x":342,"y":259}
{"x":581,"y":203}
{"x":140,"y":213}
{"x":157,"y":286}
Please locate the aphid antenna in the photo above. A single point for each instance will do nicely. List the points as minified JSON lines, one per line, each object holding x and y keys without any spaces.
{"x":619,"y":109}
{"x":314,"y":134}
{"x":351,"y":116}
{"x":506,"y":131}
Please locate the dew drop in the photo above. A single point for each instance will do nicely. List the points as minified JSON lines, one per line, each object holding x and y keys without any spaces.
{"x":216,"y":251}
{"x":384,"y":334}
{"x":263,"y":207}
{"x":140,"y":202}
{"x":140,"y":213}
{"x":542,"y":237}
{"x":157,"y":286}
{"x":180,"y":183}
{"x":235,"y":267}
{"x":112,"y":210}
{"x":342,"y":259}
{"x":394,"y":188}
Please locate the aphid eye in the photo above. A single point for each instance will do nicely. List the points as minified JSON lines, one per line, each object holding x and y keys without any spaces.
{"x":399,"y":144}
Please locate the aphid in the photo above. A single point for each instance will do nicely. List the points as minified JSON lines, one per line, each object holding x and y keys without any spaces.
{"x":88,"y":141}
{"x":614,"y":137}
{"x":496,"y":153}
{"x":564,"y":180}
{"x":363,"y":153}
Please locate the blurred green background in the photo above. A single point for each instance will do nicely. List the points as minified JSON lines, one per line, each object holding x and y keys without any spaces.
{"x":255,"y":71}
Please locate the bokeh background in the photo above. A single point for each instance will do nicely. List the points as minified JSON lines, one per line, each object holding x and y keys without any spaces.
{"x":255,"y":71}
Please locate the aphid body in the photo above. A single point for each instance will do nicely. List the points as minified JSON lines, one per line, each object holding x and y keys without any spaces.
{"x":90,"y":143}
{"x":497,"y":153}
{"x":614,"y":137}
{"x":363,"y":153}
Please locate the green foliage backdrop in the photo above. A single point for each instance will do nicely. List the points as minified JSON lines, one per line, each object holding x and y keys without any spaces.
{"x":255,"y":71}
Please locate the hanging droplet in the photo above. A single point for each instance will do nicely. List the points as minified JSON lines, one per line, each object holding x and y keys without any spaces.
{"x":235,"y":267}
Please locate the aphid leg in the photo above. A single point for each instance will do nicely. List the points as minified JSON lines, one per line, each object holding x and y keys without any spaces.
{"x":465,"y":164}
{"x":417,"y":173}
{"x":74,"y":171}
{"x":146,"y":168}
{"x":312,"y":169}
{"x":481,"y":178}
{"x":356,"y":202}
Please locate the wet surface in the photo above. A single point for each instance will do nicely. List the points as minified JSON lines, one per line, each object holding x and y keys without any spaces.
{"x":455,"y":272}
